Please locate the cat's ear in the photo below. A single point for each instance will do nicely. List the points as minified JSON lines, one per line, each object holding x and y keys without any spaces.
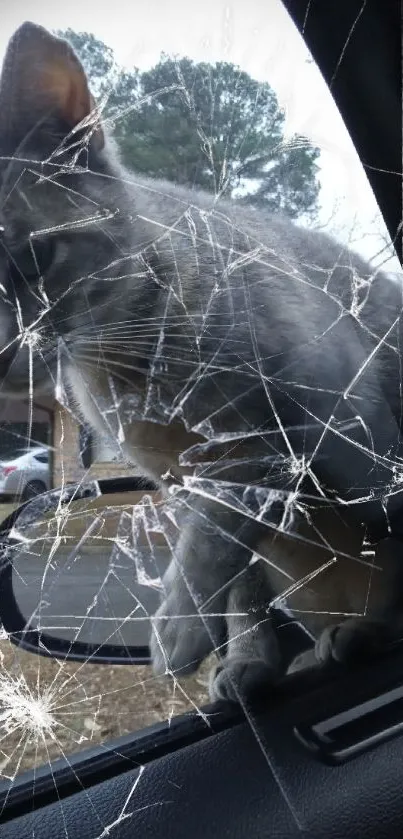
{"x":42,"y":76}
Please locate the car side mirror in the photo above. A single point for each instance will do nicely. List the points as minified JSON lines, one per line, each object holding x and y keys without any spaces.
{"x":80,"y":573}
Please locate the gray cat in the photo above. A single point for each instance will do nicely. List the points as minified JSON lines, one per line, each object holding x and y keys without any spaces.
{"x":250,"y":367}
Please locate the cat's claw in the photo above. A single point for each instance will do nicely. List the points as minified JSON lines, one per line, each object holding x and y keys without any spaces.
{"x":238,"y":678}
{"x":303,"y":661}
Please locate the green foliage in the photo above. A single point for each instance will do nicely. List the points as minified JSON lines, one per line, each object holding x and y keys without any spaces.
{"x":210,"y":126}
{"x":97,"y":59}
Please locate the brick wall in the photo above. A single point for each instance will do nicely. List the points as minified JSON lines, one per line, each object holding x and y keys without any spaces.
{"x":67,"y":465}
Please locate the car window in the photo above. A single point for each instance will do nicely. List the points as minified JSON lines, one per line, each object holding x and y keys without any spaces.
{"x":225,"y":100}
{"x":42,"y":458}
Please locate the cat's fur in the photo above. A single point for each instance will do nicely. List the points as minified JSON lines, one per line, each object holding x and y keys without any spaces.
{"x":251,"y":345}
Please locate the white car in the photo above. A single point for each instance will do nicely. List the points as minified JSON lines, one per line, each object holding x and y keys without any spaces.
{"x":25,"y":475}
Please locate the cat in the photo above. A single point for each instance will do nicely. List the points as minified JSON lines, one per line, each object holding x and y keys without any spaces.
{"x":248,"y":366}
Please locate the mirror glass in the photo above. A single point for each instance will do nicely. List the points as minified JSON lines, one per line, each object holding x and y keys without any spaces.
{"x":88,"y":570}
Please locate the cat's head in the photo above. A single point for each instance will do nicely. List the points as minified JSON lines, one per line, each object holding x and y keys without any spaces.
{"x":64,"y":229}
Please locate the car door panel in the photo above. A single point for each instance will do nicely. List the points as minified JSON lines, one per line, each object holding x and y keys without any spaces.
{"x":253,"y":779}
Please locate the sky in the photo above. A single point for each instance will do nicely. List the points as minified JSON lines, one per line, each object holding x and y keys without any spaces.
{"x":257,"y":35}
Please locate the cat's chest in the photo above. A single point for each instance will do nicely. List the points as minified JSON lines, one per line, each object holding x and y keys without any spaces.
{"x":155,"y":448}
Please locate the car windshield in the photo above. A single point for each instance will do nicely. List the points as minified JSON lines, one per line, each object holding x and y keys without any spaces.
{"x":192,"y":250}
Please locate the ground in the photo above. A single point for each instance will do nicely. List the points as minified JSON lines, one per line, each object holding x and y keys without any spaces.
{"x":49,"y":708}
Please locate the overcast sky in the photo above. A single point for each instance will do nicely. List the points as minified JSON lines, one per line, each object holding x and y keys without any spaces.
{"x":257,"y":35}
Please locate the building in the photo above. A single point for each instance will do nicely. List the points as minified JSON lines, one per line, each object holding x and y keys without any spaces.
{"x":74,"y":453}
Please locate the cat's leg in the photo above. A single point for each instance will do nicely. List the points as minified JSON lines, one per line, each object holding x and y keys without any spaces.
{"x":213,"y":549}
{"x":252,"y":661}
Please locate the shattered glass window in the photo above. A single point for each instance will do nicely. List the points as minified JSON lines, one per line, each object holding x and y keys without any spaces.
{"x":180,"y":325}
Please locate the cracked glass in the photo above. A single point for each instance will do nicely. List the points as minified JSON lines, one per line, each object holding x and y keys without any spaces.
{"x":183,"y":316}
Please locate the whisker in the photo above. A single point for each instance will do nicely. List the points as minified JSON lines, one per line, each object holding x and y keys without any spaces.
{"x":196,"y":365}
{"x":119,"y":364}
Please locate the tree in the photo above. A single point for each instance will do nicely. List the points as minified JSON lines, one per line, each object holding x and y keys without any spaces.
{"x":97,"y":59}
{"x":207,"y":125}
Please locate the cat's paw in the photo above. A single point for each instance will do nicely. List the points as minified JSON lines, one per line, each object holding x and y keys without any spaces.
{"x":181,"y":636}
{"x":354,"y":640}
{"x":238,"y":678}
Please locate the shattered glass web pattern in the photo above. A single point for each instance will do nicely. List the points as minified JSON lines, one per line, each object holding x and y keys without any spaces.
{"x":50,"y":709}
